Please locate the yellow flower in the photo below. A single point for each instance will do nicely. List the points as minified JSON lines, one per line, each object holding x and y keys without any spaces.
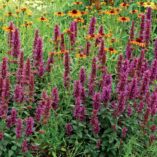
{"x":29,"y":12}
{"x":89,"y":7}
{"x":81,"y":56}
{"x":103,"y":3}
{"x":149,"y":4}
{"x":111,"y":50}
{"x":111,"y":12}
{"x":23,"y":9}
{"x":74,"y":13}
{"x":9,"y":14}
{"x":43,"y":19}
{"x":27,"y":24}
{"x":59,"y":13}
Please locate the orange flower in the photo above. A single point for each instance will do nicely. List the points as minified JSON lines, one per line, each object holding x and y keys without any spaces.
{"x":111,"y":50}
{"x":59,"y":14}
{"x":108,"y":35}
{"x":89,"y":7}
{"x":43,"y":19}
{"x":90,"y":37}
{"x":111,"y":12}
{"x":77,"y":3}
{"x":9,"y":14}
{"x":138,"y":42}
{"x":140,"y":15}
{"x":113,"y":40}
{"x":84,"y":12}
{"x":79,"y":19}
{"x":23,"y":9}
{"x":27,"y":24}
{"x":140,"y":3}
{"x":18,"y":11}
{"x":8,"y":29}
{"x":123,"y":19}
{"x":134,"y":11}
{"x":124,"y":5}
{"x":59,"y":52}
{"x":81,"y":55}
{"x":74,"y":13}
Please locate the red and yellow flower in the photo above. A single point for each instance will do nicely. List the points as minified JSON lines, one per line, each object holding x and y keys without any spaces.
{"x":123,"y":19}
{"x":74,"y":13}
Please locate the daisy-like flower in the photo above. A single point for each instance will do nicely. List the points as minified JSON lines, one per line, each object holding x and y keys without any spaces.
{"x":134,"y":11}
{"x":59,"y":13}
{"x":79,"y":19}
{"x":111,"y":50}
{"x":113,"y":40}
{"x":77,"y":3}
{"x":89,"y":7}
{"x":27,"y":24}
{"x":149,"y":4}
{"x":108,"y":35}
{"x":43,"y":19}
{"x":74,"y":13}
{"x":111,"y":12}
{"x":59,"y":52}
{"x":18,"y":11}
{"x":29,"y":12}
{"x":138,"y":42}
{"x":90,"y":37}
{"x":123,"y":19}
{"x":8,"y":29}
{"x":23,"y":9}
{"x":124,"y":5}
{"x":103,"y":3}
{"x":81,"y":56}
{"x":9,"y":14}
{"x":140,"y":15}
{"x":140,"y":4}
{"x":84,"y":12}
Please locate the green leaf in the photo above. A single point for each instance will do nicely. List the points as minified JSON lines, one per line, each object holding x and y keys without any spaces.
{"x":10,"y":153}
{"x":14,"y":147}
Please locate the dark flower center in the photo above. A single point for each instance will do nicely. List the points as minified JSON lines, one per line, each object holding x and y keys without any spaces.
{"x":74,"y":11}
{"x":111,"y":49}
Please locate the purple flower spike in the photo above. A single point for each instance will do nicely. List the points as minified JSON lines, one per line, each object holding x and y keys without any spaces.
{"x":19,"y":128}
{"x":69,"y":129}
{"x":29,"y":126}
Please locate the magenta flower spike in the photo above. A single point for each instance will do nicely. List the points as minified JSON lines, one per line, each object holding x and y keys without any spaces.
{"x":82,"y":75}
{"x":24,"y":146}
{"x":57,"y":36}
{"x":29,"y":126}
{"x":16,"y":45}
{"x":69,"y":129}
{"x":18,"y":128}
{"x":4,"y":68}
{"x":10,"y":35}
{"x":92,"y":24}
{"x":55,"y":98}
